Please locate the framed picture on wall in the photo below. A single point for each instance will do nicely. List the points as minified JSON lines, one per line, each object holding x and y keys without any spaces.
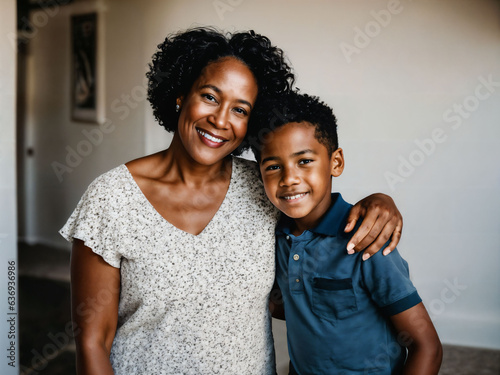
{"x":84,"y":81}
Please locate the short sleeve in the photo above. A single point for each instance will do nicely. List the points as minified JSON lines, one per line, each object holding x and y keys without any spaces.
{"x":388,"y":281}
{"x":93,"y":221}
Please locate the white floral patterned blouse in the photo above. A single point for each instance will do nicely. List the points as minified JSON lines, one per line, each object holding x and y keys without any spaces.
{"x":189,"y":304}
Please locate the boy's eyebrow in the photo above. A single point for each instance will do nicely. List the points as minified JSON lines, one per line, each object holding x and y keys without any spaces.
{"x":219,"y":91}
{"x":295,"y":154}
{"x":307,"y":151}
{"x":270,"y":158}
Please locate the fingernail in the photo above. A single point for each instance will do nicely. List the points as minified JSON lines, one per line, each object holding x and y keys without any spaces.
{"x":350,"y":247}
{"x":386,"y":252}
{"x":350,"y":251}
{"x":366,"y":256}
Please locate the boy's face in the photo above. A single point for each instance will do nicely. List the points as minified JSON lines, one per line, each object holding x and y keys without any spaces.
{"x":296,"y":170}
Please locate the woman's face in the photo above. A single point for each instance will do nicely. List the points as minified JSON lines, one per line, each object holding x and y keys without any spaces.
{"x":214,"y":114}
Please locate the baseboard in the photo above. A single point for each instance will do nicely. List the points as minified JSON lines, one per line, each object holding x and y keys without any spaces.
{"x":35,"y":240}
{"x":469,"y":331}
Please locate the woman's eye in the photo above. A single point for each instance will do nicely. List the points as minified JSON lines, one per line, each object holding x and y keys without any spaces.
{"x":241,"y":111}
{"x":209,"y":97}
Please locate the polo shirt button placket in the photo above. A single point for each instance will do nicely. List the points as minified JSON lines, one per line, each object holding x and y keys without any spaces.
{"x":294,"y":266}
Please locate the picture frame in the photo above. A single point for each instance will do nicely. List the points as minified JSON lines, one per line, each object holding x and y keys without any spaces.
{"x":84,"y":81}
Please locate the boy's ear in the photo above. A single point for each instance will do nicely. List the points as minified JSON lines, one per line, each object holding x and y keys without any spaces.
{"x":337,"y":162}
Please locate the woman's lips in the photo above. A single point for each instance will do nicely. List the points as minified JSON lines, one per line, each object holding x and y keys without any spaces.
{"x":209,"y":139}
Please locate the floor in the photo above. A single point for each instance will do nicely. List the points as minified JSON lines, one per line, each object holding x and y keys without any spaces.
{"x":47,"y":346}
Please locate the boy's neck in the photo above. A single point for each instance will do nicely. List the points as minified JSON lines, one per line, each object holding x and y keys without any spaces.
{"x":312,"y":219}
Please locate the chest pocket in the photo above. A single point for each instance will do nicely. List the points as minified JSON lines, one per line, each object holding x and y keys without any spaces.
{"x":333,"y":299}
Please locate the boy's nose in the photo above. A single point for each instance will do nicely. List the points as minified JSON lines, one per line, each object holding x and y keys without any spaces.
{"x":289,"y":177}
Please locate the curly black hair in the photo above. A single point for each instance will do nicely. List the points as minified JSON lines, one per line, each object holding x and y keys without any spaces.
{"x":295,"y":107}
{"x":181,"y":58}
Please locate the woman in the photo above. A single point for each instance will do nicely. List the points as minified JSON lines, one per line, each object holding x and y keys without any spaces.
{"x":173,"y":254}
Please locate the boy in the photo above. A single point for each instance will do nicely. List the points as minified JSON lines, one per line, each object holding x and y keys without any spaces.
{"x":344,"y":315}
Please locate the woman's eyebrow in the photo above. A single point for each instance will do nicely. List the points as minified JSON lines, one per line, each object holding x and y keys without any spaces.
{"x":219,"y":91}
{"x":242,"y":101}
{"x":215,"y":88}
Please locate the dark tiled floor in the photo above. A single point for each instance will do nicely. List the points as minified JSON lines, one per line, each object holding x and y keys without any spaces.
{"x":46,"y":346}
{"x":459,"y":360}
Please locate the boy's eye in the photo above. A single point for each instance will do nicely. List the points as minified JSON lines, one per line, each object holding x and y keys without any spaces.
{"x":272,"y":168}
{"x":305,"y":161}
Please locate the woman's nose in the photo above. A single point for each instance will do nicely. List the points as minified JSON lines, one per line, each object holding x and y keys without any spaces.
{"x":219,"y":118}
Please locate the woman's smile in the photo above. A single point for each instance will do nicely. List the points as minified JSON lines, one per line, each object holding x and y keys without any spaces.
{"x":210,"y":139}
{"x":214,"y":114}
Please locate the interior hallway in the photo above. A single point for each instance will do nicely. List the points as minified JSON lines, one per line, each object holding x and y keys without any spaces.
{"x":47,"y":349}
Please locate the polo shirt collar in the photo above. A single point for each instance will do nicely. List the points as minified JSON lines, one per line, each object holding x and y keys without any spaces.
{"x":329,"y":224}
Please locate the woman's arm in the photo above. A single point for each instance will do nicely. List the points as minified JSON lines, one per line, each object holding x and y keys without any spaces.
{"x":276,"y":306}
{"x":418,"y":334}
{"x":381,"y":221}
{"x":95,"y":291}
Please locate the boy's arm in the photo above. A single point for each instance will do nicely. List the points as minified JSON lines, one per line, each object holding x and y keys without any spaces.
{"x":418,"y":334}
{"x":381,"y":221}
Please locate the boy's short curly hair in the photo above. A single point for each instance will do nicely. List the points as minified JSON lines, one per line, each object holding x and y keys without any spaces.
{"x":295,"y":107}
{"x":181,"y":58}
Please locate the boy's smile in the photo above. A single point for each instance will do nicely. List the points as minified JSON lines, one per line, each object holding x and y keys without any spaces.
{"x":296,"y":169}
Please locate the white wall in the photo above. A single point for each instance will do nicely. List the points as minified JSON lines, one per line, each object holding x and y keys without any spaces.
{"x":8,"y":238}
{"x":51,"y":132}
{"x":401,"y":88}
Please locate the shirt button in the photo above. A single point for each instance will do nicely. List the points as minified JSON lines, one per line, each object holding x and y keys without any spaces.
{"x":296,"y":257}
{"x":297,"y":280}
{"x":288,"y":238}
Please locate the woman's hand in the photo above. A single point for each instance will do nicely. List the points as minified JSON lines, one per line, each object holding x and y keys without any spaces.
{"x":381,"y":221}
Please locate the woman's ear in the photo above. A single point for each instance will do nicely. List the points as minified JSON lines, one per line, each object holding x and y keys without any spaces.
{"x":337,"y":162}
{"x":178,"y":102}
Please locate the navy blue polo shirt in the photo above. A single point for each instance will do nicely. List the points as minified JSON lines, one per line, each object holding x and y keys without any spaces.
{"x":337,"y":306}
